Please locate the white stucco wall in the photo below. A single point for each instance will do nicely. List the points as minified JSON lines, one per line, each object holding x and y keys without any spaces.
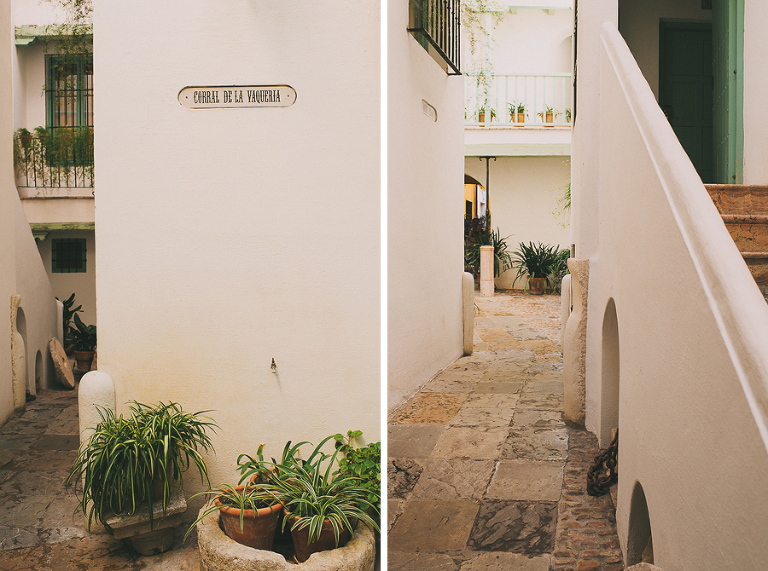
{"x":83,"y":285}
{"x":21,"y":270}
{"x":639,"y":25}
{"x":755,"y":87}
{"x":7,"y":219}
{"x":693,"y":370}
{"x":228,"y":238}
{"x":533,"y":41}
{"x":524,"y":196}
{"x":425,"y":205}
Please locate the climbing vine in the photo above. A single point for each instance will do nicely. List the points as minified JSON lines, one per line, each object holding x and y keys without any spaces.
{"x":475,"y":21}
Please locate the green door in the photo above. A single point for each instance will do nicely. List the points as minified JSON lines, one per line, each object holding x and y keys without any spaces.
{"x":686,"y":87}
{"x":728,"y":67}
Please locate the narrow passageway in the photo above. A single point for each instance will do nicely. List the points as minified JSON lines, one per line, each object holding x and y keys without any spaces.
{"x":483,"y":472}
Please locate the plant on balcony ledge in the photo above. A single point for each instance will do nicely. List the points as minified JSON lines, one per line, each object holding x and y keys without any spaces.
{"x":517,"y":112}
{"x":548,"y":115}
{"x":57,"y":157}
{"x":481,"y":114}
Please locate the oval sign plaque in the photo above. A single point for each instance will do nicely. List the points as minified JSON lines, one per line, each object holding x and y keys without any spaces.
{"x":237,"y":96}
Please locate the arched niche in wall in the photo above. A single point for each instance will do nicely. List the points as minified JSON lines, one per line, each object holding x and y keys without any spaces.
{"x":21,"y":327}
{"x":610,"y":374}
{"x":639,"y":538}
{"x":38,"y":371}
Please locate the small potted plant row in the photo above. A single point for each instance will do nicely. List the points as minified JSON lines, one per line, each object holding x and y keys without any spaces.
{"x":319,"y":499}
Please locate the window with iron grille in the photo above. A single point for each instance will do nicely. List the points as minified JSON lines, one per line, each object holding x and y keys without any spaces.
{"x":69,"y":90}
{"x":436,"y":25}
{"x":68,"y":255}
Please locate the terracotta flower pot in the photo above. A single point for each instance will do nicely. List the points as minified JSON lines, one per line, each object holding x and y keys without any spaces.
{"x":536,"y":286}
{"x":258,"y":525}
{"x":83,"y":359}
{"x":327,"y":540}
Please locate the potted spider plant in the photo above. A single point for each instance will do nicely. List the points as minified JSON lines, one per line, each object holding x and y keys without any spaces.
{"x":131,"y":463}
{"x":481,"y":114}
{"x":517,"y":112}
{"x":248,"y":514}
{"x":322,"y":506}
{"x":537,"y":261}
{"x":548,"y":115}
{"x":84,"y":339}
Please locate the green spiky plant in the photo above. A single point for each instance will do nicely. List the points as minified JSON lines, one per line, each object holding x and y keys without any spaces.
{"x":131,"y":461}
{"x":247,"y":497}
{"x":502,"y":259}
{"x":313,"y":491}
{"x":536,"y":260}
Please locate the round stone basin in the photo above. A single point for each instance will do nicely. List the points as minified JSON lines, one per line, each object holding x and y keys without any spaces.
{"x":220,"y":553}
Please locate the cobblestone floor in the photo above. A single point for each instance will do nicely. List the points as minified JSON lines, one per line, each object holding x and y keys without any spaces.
{"x":483,"y":472}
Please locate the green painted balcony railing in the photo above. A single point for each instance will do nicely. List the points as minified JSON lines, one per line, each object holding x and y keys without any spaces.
{"x":54,"y":157}
{"x":518,"y":100}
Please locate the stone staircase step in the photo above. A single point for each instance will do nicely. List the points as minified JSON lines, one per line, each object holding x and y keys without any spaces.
{"x":739,"y":198}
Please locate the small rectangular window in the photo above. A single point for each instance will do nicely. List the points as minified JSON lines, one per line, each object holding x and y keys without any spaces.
{"x":68,"y":256}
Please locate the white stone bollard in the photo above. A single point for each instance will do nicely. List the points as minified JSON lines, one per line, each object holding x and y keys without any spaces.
{"x":96,"y":388}
{"x":575,"y":345}
{"x":486,"y":271}
{"x":565,"y":305}
{"x":468,"y":295}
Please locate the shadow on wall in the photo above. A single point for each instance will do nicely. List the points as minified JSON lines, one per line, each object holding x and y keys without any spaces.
{"x":640,"y":539}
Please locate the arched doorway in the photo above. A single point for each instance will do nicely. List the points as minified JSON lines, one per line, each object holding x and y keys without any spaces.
{"x":610,"y":374}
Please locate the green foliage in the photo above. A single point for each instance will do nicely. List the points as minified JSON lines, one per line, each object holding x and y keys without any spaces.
{"x":54,"y":157}
{"x":516,"y":107}
{"x":537,"y":260}
{"x":69,"y":312}
{"x":559,"y":269}
{"x":83,"y":336}
{"x":563,"y":207}
{"x":125,"y":460}
{"x":502,"y":260}
{"x":312,"y":492}
{"x":363,"y":462}
{"x":247,"y":497}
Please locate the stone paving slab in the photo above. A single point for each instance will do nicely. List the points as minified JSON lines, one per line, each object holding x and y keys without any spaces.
{"x":454,"y":479}
{"x":525,"y":480}
{"x":412,"y":440}
{"x":433,"y":525}
{"x":516,"y":527}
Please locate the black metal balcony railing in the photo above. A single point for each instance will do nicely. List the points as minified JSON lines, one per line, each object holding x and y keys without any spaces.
{"x":54,"y":158}
{"x":436,"y":24}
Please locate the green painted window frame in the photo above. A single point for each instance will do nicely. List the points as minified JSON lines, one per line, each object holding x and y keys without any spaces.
{"x":81,"y":92}
{"x":68,"y":255}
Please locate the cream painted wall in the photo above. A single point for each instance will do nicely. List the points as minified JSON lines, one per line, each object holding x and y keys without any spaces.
{"x":30,"y":95}
{"x":426,"y":206}
{"x":755,"y":88}
{"x":524,"y":195}
{"x":228,"y":238}
{"x":21,"y":271}
{"x":7,"y":219}
{"x":639,"y":24}
{"x":693,"y":374}
{"x":532,"y":41}
{"x":83,"y":285}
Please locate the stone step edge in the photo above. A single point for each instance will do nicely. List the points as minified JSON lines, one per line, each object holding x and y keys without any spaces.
{"x":735,"y":187}
{"x":754,"y":255}
{"x":745,"y":218}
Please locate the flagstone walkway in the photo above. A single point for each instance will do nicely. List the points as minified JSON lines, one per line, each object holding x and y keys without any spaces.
{"x":483,"y":472}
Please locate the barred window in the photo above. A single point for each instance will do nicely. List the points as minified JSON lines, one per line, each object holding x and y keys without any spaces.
{"x":68,"y":255}
{"x":69,"y":90}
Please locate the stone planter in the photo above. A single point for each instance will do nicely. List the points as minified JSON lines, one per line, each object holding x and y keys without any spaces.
{"x":219,"y":553}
